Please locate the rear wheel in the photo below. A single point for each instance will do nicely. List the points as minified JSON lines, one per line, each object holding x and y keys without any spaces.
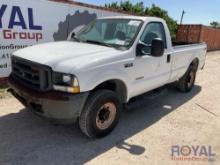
{"x":101,"y":114}
{"x":187,"y":82}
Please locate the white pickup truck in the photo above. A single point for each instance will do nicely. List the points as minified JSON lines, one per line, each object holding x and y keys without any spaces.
{"x":89,"y":77}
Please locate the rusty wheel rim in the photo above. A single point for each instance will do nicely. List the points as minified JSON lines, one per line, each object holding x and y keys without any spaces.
{"x":191,"y":79}
{"x":106,"y":115}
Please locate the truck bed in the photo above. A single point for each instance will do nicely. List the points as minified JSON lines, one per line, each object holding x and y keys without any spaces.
{"x":180,"y":45}
{"x":183,"y":54}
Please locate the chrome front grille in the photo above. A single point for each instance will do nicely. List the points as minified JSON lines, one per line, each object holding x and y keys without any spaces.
{"x":33,"y":75}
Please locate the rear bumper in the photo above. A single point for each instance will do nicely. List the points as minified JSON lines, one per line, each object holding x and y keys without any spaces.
{"x":61,"y":107}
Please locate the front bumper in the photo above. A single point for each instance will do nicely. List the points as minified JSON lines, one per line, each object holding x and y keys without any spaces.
{"x":61,"y":107}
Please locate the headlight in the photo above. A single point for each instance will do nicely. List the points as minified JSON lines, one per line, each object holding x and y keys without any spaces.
{"x":65,"y":82}
{"x":67,"y":79}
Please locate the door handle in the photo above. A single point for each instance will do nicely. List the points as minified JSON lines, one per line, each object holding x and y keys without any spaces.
{"x":168,"y":58}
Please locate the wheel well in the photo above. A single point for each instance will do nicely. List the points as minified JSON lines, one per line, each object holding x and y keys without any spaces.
{"x":114,"y":85}
{"x":195,"y":63}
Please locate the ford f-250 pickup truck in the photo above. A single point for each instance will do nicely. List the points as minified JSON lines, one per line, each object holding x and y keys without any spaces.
{"x":111,"y":60}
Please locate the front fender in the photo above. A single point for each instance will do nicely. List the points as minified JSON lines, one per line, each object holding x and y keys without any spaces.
{"x":91,"y":80}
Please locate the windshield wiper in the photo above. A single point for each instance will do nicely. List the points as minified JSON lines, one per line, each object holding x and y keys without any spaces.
{"x":99,"y":43}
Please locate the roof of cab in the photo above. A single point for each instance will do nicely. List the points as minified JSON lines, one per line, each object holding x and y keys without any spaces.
{"x":143,"y":18}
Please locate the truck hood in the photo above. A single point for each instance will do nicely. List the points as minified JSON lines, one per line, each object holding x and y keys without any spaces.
{"x":66,"y":55}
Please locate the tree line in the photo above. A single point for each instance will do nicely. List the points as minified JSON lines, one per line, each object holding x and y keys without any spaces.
{"x":154,"y":10}
{"x":215,"y":24}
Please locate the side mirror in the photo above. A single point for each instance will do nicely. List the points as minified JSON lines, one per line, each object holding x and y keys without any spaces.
{"x":157,"y":47}
{"x":75,"y":31}
{"x":139,"y":49}
{"x":142,"y":49}
{"x":73,"y":34}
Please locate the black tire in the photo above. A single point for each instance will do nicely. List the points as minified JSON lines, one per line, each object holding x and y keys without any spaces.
{"x":187,"y":82}
{"x":89,"y":120}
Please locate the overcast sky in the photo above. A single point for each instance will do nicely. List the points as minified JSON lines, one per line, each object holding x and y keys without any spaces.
{"x":197,"y":11}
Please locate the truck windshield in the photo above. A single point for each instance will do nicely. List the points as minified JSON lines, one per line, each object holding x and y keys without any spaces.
{"x":110,"y":32}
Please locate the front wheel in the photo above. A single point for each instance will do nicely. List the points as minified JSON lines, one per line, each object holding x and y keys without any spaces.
{"x":187,"y":82}
{"x":101,"y":114}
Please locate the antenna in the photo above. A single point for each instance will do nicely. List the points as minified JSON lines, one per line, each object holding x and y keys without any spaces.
{"x":181,"y":21}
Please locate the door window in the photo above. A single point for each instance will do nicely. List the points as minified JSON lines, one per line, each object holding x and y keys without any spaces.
{"x":152,"y":30}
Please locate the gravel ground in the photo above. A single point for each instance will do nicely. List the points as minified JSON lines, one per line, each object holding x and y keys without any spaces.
{"x":144,"y":135}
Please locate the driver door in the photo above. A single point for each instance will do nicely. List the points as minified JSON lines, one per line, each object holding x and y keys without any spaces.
{"x":151,"y":72}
